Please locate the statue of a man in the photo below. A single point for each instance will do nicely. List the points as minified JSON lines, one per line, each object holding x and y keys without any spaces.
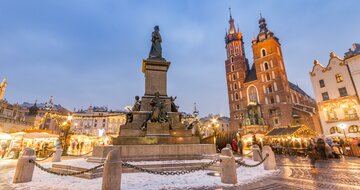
{"x":137,"y":104}
{"x":174,"y":107}
{"x":156,"y":51}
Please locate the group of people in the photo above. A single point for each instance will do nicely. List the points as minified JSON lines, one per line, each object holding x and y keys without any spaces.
{"x":237,"y":146}
{"x":77,"y":146}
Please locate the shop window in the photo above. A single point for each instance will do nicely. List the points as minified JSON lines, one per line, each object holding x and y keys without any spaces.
{"x":339,"y":78}
{"x":354,"y":129}
{"x":322,"y":83}
{"x":349,"y":110}
{"x":343,"y":92}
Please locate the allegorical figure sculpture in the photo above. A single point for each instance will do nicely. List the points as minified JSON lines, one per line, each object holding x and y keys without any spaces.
{"x":174,"y":107}
{"x":2,"y":89}
{"x":156,"y":51}
{"x":136,"y":107}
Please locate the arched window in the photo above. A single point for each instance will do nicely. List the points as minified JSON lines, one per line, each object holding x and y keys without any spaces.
{"x":232,"y":59}
{"x":332,"y":130}
{"x":272,"y":100}
{"x":232,"y":67}
{"x":236,"y":96}
{"x":234,"y":77}
{"x":235,"y":86}
{"x":268,"y":76}
{"x":263,"y":52}
{"x":270,"y":89}
{"x":354,"y":129}
{"x":252,"y":94}
{"x":266,"y":66}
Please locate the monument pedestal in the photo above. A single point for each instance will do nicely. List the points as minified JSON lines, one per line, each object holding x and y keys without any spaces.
{"x":155,"y":152}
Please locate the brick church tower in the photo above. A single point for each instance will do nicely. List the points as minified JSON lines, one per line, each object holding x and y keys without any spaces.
{"x":260,"y":96}
{"x":236,"y":66}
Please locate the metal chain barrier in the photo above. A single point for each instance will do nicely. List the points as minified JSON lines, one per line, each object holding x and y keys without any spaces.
{"x":79,"y":154}
{"x":42,"y":159}
{"x":64,"y":174}
{"x":241,"y":163}
{"x":182,"y":172}
{"x":251,"y":151}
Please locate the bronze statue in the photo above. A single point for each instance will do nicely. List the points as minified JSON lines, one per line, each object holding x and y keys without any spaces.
{"x":158,"y":113}
{"x":174,"y":107}
{"x":137,"y":104}
{"x":156,"y":50}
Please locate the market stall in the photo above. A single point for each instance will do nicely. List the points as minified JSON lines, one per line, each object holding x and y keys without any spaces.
{"x":290,"y":140}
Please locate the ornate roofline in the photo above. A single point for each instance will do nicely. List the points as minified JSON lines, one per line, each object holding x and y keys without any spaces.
{"x":327,"y":68}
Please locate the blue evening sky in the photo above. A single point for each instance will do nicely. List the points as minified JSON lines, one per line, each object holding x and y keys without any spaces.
{"x":86,"y":52}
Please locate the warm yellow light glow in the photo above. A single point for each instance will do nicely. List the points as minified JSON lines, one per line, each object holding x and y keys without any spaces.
{"x":64,"y":123}
{"x":214,"y":120}
{"x":69,"y":117}
{"x":342,"y":125}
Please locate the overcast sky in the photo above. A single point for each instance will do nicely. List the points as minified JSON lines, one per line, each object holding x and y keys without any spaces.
{"x":86,"y":52}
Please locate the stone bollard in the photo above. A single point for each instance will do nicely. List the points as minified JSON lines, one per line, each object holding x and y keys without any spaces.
{"x":57,"y":154}
{"x":228,"y":167}
{"x":256,"y":153}
{"x":112,"y":171}
{"x":24,"y":169}
{"x":269,"y":163}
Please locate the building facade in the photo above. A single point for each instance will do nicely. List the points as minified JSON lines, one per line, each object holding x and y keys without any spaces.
{"x":213,"y":124}
{"x":336,"y":95}
{"x":352,"y":60}
{"x":260,"y":96}
{"x":96,"y":121}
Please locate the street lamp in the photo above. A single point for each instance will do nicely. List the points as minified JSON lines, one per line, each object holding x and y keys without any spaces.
{"x":343,"y":127}
{"x":65,"y":127}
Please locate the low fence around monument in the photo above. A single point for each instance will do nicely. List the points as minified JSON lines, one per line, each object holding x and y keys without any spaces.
{"x":34,"y":162}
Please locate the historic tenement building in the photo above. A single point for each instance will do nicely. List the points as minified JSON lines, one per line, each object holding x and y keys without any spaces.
{"x":260,"y":95}
{"x":97,"y":120}
{"x":335,"y":91}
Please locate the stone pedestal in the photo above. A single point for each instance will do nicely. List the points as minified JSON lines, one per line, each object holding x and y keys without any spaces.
{"x":57,"y":154}
{"x":270,"y":162}
{"x":112,"y":171}
{"x":228,"y":167}
{"x":24,"y":169}
{"x":155,"y":152}
{"x":155,"y":71}
{"x":158,"y":129}
{"x":257,"y":154}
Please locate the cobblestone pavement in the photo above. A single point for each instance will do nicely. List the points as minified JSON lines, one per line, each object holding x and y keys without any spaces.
{"x":294,"y":174}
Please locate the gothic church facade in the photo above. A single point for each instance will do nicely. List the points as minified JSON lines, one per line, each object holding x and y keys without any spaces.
{"x":260,"y":95}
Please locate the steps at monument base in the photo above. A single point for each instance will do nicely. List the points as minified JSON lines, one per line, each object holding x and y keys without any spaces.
{"x":87,"y":175}
{"x":60,"y":168}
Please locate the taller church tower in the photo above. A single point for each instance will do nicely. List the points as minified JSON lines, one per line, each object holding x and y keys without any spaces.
{"x":236,"y":66}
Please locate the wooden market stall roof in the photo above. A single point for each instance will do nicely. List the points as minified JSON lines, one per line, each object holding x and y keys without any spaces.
{"x":297,"y":131}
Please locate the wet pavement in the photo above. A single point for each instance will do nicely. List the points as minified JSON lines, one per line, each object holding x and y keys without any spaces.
{"x":294,"y":173}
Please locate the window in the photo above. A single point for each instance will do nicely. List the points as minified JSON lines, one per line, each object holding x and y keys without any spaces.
{"x":354,"y":129}
{"x":236,"y":96}
{"x":343,"y":92}
{"x":266,"y":66}
{"x":268,"y":76}
{"x":235,"y":86}
{"x":339,"y":78}
{"x":322,"y":83}
{"x":349,"y":110}
{"x":325,"y":96}
{"x":272,"y":100}
{"x":232,"y":59}
{"x":276,"y":121}
{"x":95,"y":125}
{"x":270,"y":89}
{"x":237,"y":107}
{"x":234,"y":77}
{"x":263,"y":52}
{"x":232,"y":67}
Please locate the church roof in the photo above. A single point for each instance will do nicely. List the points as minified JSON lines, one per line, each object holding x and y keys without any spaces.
{"x":297,"y":89}
{"x":251,"y":75}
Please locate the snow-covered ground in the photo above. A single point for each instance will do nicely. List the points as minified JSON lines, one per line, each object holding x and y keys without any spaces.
{"x":134,"y":181}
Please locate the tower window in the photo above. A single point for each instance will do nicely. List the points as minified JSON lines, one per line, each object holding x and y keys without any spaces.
{"x":236,"y":96}
{"x":232,"y":59}
{"x":234,"y":77}
{"x":266,"y":66}
{"x":235,"y":86}
{"x":270,"y":89}
{"x":272,"y":100}
{"x":263,"y":52}
{"x":232,"y":67}
{"x":339,"y":78}
{"x":268,"y":76}
{"x":322,"y":83}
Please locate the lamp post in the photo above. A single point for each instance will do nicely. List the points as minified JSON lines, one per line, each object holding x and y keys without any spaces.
{"x":343,"y":127}
{"x":214,"y":125}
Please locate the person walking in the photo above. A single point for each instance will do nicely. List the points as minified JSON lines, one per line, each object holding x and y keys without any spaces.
{"x":4,"y":148}
{"x":234,"y":145}
{"x":313,"y":155}
{"x":240,"y":146}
